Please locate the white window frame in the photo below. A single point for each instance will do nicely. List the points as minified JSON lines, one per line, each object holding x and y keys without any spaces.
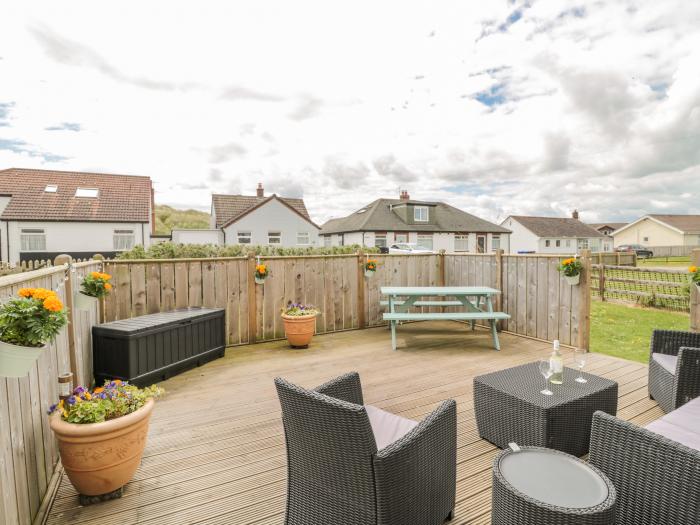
{"x":547,"y":243}
{"x":380,"y":240}
{"x":582,"y":244}
{"x":327,"y":241}
{"x":557,"y":243}
{"x":51,"y":188}
{"x":459,"y":237}
{"x":118,"y":238}
{"x":87,"y":193}
{"x":417,"y":217}
{"x":425,"y":236}
{"x":33,"y":240}
{"x":303,"y":238}
{"x":244,"y":237}
{"x":400,"y":238}
{"x":568,"y":243}
{"x":274,"y":235}
{"x":495,"y":242}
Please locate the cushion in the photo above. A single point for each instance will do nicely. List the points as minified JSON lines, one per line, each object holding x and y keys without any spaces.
{"x":387,"y":427}
{"x":666,"y":361}
{"x":681,"y":425}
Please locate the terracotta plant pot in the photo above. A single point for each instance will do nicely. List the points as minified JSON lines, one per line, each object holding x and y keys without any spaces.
{"x":100,"y":458}
{"x":83,"y":301}
{"x":299,"y":329}
{"x":573,"y":280}
{"x":17,"y":361}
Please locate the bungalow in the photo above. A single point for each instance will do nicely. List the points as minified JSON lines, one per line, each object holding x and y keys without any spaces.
{"x":661,"y":230}
{"x":554,"y":235}
{"x":607,"y":228}
{"x":44,"y":213}
{"x":430,"y":225}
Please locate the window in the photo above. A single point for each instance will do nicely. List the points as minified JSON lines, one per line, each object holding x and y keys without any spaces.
{"x":51,"y":188}
{"x":274,"y":237}
{"x":583,"y":244}
{"x":244,"y":237}
{"x":303,"y":238}
{"x":495,"y":242}
{"x":380,"y":240}
{"x":558,"y":243}
{"x":568,"y":243}
{"x":87,"y":192}
{"x":425,"y":240}
{"x":124,"y":239}
{"x":547,"y":243}
{"x":646,"y":239}
{"x":420,"y":214}
{"x":33,"y":240}
{"x":327,"y":241}
{"x":400,"y":237}
{"x":461,"y":242}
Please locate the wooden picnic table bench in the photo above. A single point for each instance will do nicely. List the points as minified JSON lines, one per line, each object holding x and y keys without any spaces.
{"x":402,"y":298}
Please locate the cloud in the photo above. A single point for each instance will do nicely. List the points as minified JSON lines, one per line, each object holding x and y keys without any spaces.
{"x":225,"y":152}
{"x":343,"y":174}
{"x":307,"y":107}
{"x":28,"y":151}
{"x":64,"y":126}
{"x":243,"y":93}
{"x":5,"y":108}
{"x":388,"y":166}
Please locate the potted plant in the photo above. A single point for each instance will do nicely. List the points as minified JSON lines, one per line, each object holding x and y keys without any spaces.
{"x":261,"y":273}
{"x":101,"y":436}
{"x":94,"y":286}
{"x":695,"y":276}
{"x":571,"y":268}
{"x":27,"y":324}
{"x":299,"y":324}
{"x":370,"y":267}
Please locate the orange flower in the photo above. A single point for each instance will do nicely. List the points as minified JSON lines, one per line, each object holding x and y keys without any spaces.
{"x":692,"y":269}
{"x":25,"y":292}
{"x":108,"y":287}
{"x":43,"y":293}
{"x":98,"y":390}
{"x":117,"y":381}
{"x":261,"y":269}
{"x":53,"y":304}
{"x":95,"y":275}
{"x":106,"y":276}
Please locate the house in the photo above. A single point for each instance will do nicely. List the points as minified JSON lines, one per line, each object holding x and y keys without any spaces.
{"x":44,"y":213}
{"x":607,"y":228}
{"x":554,"y":235}
{"x":259,"y":220}
{"x":431,"y":225}
{"x":661,"y":230}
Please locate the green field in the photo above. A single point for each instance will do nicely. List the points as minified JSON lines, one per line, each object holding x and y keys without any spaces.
{"x":664,"y":261}
{"x":625,"y":331}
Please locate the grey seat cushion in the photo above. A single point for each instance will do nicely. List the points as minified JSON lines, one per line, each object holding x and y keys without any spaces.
{"x":387,"y":427}
{"x":681,"y":425}
{"x":666,"y":361}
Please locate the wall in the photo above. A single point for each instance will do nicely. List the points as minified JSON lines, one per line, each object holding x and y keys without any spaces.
{"x":657,"y":234}
{"x":522,"y":239}
{"x":441,"y":241}
{"x":198,"y":237}
{"x":273,"y":216}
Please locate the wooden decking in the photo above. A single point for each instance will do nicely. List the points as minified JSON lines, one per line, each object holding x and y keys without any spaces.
{"x":216,"y":449}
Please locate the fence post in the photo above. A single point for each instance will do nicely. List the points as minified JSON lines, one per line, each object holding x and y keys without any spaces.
{"x":499,"y":285}
{"x":252,"y":300}
{"x":441,"y":268}
{"x":618,"y":258}
{"x":695,"y":296}
{"x":101,"y":301}
{"x":60,"y":260}
{"x":584,"y":334}
{"x":361,"y":288}
{"x":601,"y":282}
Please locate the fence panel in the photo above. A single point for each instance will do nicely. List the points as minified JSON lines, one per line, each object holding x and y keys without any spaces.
{"x":672,"y":251}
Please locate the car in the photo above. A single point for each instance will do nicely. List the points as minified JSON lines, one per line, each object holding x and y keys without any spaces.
{"x":407,"y":247}
{"x":640,"y":250}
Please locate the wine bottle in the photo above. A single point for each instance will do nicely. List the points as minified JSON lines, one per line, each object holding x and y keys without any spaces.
{"x":556,"y":363}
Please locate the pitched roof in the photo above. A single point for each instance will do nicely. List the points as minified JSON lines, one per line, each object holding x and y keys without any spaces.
{"x":556,"y":226}
{"x":613,"y":225}
{"x":120,"y":198}
{"x":229,"y":208}
{"x":684,"y":223}
{"x":378,"y":216}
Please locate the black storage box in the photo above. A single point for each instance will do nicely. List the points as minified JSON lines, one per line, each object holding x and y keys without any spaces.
{"x":150,"y":348}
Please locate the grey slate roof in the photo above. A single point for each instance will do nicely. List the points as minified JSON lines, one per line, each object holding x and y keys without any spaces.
{"x":685,"y":223}
{"x":230,"y":207}
{"x":613,"y":225}
{"x":556,"y":226}
{"x":379,"y":217}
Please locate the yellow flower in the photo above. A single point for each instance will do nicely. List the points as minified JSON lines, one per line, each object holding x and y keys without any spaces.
{"x":53,"y":304}
{"x":692,"y":269}
{"x":25,"y":292}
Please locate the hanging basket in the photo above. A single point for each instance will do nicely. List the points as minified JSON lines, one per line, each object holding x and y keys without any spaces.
{"x":83,"y":301}
{"x":573,"y":280}
{"x":259,"y":280}
{"x":17,"y":361}
{"x":369,"y":273}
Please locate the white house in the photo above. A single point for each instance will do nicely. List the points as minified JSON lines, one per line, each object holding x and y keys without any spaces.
{"x":554,"y":235}
{"x":431,"y":225}
{"x":607,"y":228}
{"x":261,"y":220}
{"x":661,"y":230}
{"x":45,"y":213}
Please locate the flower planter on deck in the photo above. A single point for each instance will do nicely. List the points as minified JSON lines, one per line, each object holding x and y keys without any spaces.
{"x":299,"y":329}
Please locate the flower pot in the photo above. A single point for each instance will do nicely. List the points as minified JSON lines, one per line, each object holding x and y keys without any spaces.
{"x":100,"y":458}
{"x":369,"y":273}
{"x":573,"y":280}
{"x":259,"y":280}
{"x":299,"y":329}
{"x":83,"y":301}
{"x":17,"y":361}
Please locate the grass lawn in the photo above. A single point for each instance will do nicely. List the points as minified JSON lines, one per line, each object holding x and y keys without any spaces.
{"x":676,"y":262}
{"x":625,"y":331}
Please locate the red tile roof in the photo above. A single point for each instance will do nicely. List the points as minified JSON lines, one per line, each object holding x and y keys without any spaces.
{"x":121,"y":198}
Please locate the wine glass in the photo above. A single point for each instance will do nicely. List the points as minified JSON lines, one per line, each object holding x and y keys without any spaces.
{"x":546,"y":371}
{"x":580,"y":360}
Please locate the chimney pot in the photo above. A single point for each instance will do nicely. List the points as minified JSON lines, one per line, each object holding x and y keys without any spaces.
{"x":260,"y":191}
{"x":403,"y":195}
{"x":575,"y":214}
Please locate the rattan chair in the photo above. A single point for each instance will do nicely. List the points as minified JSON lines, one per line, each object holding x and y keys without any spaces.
{"x":674,"y":368}
{"x":336,"y":474}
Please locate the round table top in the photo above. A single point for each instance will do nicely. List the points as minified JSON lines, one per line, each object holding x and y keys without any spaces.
{"x":553,"y":478}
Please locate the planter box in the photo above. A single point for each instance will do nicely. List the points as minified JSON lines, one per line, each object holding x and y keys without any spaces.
{"x":147,"y":349}
{"x":17,"y":361}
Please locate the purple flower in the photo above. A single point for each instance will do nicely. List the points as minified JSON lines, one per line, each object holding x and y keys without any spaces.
{"x":71,"y":400}
{"x":79,"y":390}
{"x":52,"y":408}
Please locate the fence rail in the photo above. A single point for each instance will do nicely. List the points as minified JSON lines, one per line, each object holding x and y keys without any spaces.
{"x":615,"y":258}
{"x":672,"y":251}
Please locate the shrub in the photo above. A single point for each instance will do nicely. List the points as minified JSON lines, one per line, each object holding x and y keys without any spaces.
{"x":32,"y":319}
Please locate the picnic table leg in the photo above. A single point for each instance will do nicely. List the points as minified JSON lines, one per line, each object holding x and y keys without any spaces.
{"x":478,"y":301}
{"x":492,"y":322}
{"x":393,"y":335}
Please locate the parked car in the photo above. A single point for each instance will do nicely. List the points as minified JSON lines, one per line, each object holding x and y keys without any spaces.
{"x":640,"y":250}
{"x":407,"y":247}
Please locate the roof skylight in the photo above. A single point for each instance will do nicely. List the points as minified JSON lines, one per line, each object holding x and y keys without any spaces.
{"x":87,"y":192}
{"x":51,"y":188}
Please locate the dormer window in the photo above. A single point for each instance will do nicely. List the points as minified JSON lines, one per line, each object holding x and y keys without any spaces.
{"x":51,"y":188}
{"x":420,"y":214}
{"x":87,"y":192}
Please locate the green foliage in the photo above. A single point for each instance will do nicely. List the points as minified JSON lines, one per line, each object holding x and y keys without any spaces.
{"x":169,"y":250}
{"x":25,"y":321}
{"x":168,"y":218}
{"x":571,"y":267}
{"x":96,"y":284}
{"x":299,"y":309}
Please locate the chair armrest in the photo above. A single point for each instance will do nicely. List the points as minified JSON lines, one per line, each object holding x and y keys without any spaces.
{"x":416,"y":476}
{"x":346,"y":388}
{"x":687,"y":381}
{"x":670,"y":341}
{"x":656,"y":479}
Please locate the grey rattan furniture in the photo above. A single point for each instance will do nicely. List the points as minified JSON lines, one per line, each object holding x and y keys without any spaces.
{"x":657,"y":479}
{"x":674,"y":368}
{"x":539,"y":486}
{"x":510,"y":408}
{"x":336,"y":474}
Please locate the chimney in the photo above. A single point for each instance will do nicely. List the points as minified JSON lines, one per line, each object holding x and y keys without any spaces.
{"x":574,"y":215}
{"x":403,"y":195}
{"x":260,"y":190}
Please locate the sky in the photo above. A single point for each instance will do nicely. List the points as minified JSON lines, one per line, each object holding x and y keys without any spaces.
{"x":499,"y":108}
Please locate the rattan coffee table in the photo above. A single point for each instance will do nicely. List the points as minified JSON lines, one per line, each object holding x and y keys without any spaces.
{"x":510,"y":408}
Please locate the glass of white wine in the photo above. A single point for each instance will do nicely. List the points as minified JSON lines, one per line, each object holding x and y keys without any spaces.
{"x":580,"y":355}
{"x":546,"y":371}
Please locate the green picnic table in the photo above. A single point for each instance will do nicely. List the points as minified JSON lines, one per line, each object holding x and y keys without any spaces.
{"x":402,"y":298}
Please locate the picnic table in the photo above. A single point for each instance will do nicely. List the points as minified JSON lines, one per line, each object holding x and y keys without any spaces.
{"x":401,"y":299}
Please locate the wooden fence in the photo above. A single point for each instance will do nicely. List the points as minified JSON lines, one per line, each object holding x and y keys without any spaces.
{"x":615,"y":258}
{"x":672,"y":251}
{"x":28,"y":451}
{"x":695,"y":296}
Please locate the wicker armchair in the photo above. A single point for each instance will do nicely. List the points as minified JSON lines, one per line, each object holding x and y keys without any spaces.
{"x":674,"y":368}
{"x":336,"y":474}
